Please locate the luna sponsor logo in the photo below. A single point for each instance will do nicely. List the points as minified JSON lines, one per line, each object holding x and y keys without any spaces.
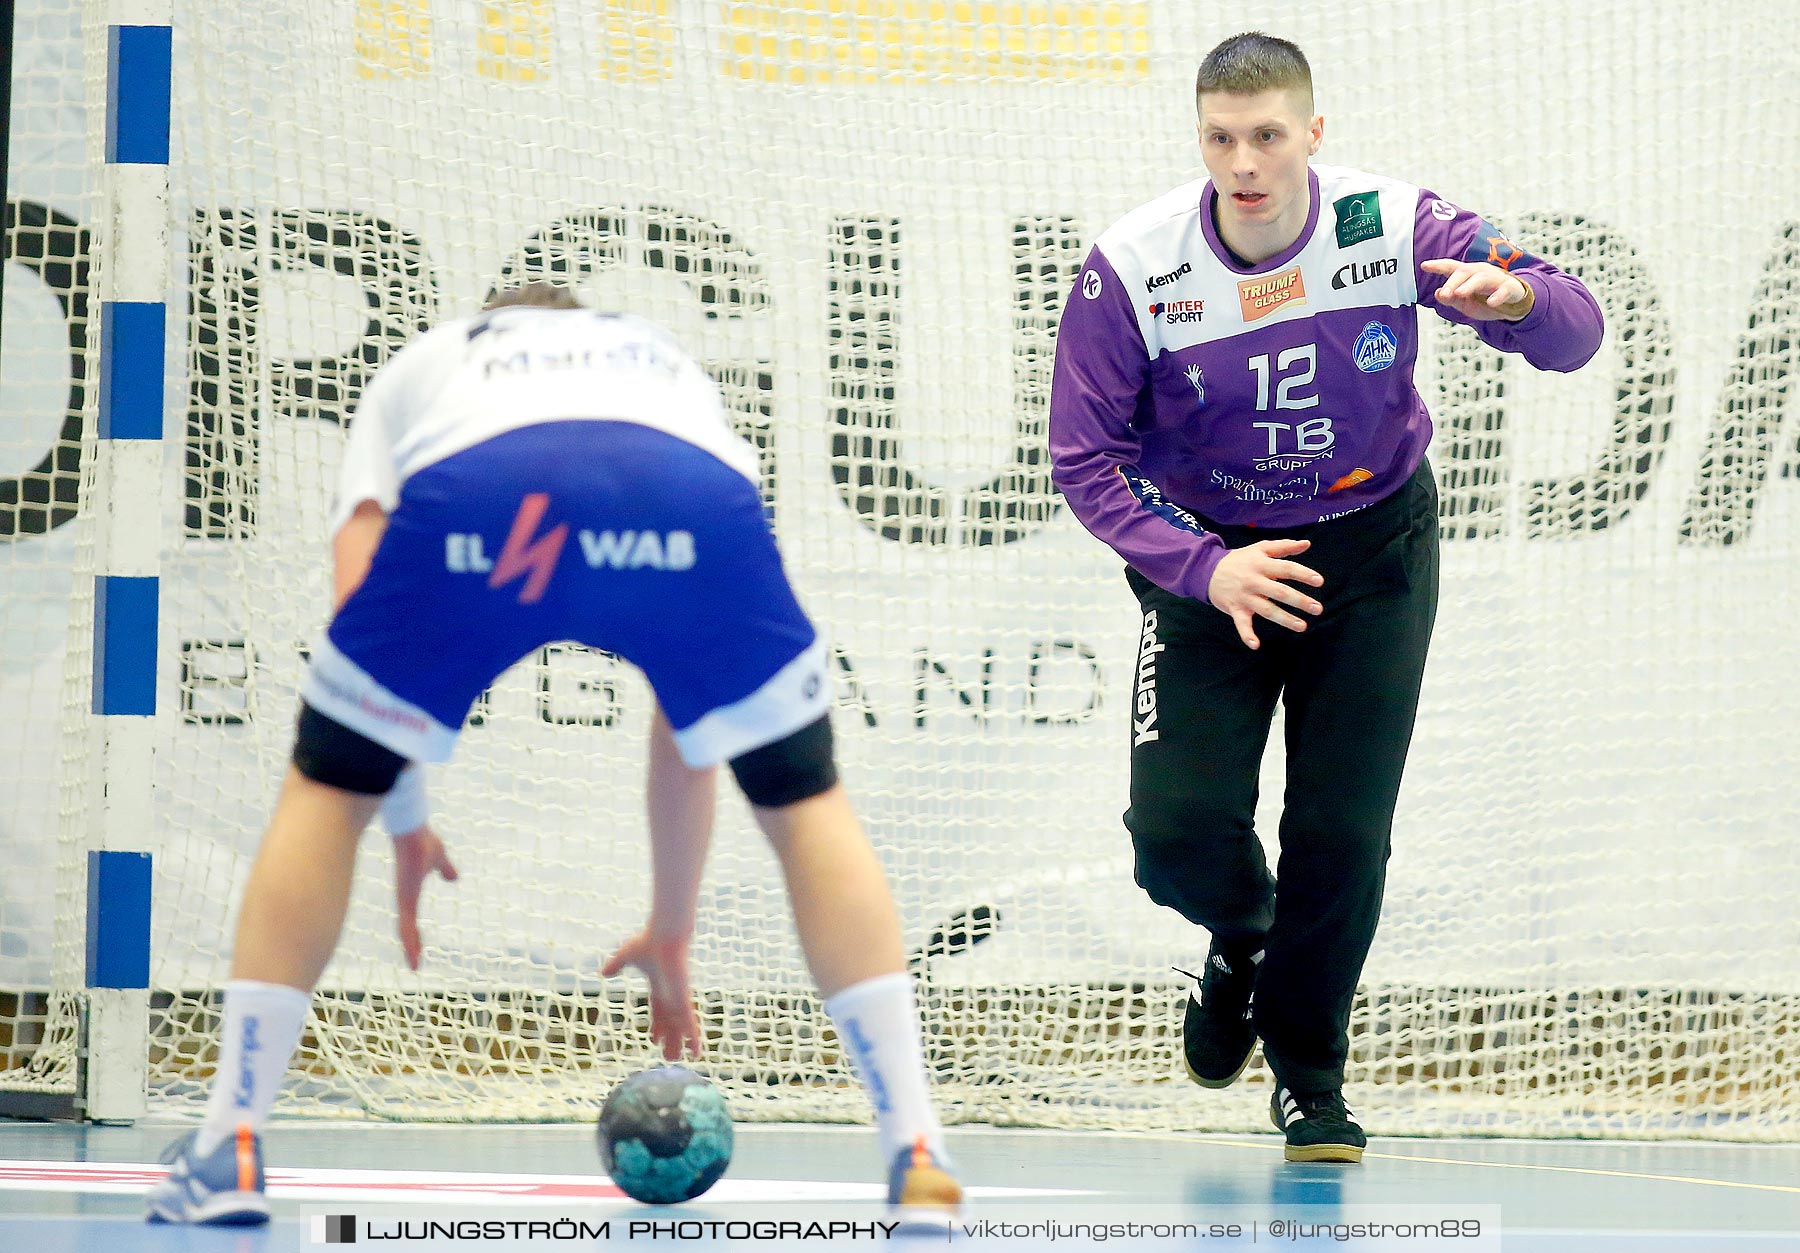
{"x":1175,"y":312}
{"x":1362,"y":271}
{"x":1259,"y":297}
{"x":1143,"y":721}
{"x":1375,"y":348}
{"x":1163,"y":280}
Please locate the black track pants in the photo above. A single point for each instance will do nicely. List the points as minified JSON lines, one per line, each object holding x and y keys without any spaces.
{"x":1202,"y":707}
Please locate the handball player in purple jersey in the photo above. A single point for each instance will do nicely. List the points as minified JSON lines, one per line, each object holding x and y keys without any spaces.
{"x":1234,"y":414}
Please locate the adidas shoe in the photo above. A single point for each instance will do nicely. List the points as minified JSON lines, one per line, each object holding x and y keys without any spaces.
{"x":1319,"y":1127}
{"x":224,"y":1188}
{"x":1217,"y":1037}
{"x":921,"y":1193}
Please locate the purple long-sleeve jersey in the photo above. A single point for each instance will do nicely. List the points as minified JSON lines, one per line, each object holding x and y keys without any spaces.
{"x":1277,"y":394}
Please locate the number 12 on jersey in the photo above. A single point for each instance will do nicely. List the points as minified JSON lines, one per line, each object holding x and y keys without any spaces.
{"x":1294,"y":369}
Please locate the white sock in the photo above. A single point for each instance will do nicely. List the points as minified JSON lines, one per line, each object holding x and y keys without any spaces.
{"x":879,"y":1025}
{"x":262,"y":1027}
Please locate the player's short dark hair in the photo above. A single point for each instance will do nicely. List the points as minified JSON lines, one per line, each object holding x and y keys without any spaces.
{"x":538,"y":295}
{"x":1252,"y":62}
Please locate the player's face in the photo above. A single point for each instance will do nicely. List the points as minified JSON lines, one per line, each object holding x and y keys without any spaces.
{"x":1256,"y":149}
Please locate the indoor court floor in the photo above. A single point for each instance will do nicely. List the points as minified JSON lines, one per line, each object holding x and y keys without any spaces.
{"x":66,"y":1187}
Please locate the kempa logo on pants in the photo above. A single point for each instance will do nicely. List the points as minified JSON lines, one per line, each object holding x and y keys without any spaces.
{"x":1143,"y":725}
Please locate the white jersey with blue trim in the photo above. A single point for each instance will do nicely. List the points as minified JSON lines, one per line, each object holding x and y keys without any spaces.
{"x":469,"y":380}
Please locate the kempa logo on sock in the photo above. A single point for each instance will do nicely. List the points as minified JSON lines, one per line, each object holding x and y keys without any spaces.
{"x":249,"y":1047}
{"x":865,"y":1054}
{"x":334,"y":1229}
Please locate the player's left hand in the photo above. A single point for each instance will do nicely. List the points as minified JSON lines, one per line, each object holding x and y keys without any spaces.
{"x":416,"y":855}
{"x":1481,"y":291}
{"x":664,"y":961}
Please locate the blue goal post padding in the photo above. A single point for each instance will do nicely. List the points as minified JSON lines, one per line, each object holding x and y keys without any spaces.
{"x":131,"y":369}
{"x":125,"y":621}
{"x":118,"y":920}
{"x":138,"y":61}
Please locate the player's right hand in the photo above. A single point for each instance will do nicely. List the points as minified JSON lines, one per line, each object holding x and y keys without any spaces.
{"x":417,"y":855}
{"x":664,"y":961}
{"x":1256,"y":581}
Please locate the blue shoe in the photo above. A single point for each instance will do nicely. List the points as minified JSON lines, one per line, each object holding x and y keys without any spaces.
{"x":921,"y":1193}
{"x":222,"y":1189}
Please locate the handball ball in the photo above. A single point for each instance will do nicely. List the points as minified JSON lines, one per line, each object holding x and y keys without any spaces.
{"x":665,"y":1135}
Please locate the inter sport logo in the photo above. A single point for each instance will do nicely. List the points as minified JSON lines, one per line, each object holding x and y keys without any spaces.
{"x":1175,"y":312}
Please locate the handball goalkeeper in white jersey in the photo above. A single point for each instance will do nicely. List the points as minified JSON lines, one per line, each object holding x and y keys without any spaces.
{"x":545,"y":472}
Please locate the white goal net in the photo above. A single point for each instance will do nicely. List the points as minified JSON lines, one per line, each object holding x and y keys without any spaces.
{"x":863,"y":216}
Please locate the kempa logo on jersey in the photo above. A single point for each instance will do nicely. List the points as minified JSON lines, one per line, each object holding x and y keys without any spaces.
{"x":1163,"y":280}
{"x":1175,"y":312}
{"x":1375,"y":348}
{"x":1362,"y":271}
{"x":1259,"y":297}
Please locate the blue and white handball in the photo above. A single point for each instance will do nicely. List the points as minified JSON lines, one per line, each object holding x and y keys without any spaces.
{"x":665,"y":1135}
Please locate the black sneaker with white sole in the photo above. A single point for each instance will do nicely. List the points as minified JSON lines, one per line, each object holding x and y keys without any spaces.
{"x":1319,"y":1127}
{"x":1217,"y":1037}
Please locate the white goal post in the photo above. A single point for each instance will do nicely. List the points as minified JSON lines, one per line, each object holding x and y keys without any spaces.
{"x":863,"y":216}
